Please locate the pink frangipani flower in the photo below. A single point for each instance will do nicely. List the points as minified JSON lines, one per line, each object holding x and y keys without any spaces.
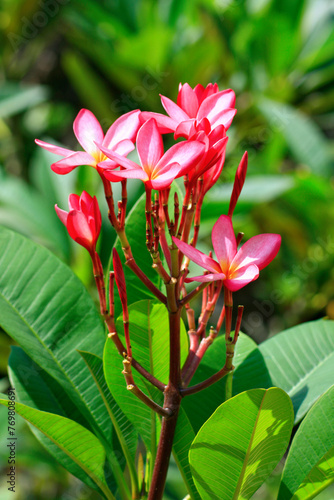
{"x":83,"y":221}
{"x":119,"y":137}
{"x":195,"y":104}
{"x":235,"y":267}
{"x":157,"y":170}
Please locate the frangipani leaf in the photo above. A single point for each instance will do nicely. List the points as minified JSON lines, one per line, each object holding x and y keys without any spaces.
{"x":241,"y":444}
{"x":309,"y":467}
{"x":76,"y":441}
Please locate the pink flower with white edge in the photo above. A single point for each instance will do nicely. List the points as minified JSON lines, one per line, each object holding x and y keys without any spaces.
{"x":120,"y":138}
{"x":194,"y":104}
{"x":236,"y":268}
{"x":157,"y":170}
{"x":83,"y":221}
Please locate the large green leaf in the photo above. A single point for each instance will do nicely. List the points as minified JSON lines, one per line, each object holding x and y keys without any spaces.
{"x":241,"y":443}
{"x":73,"y":439}
{"x":250,"y":373}
{"x":309,"y":467}
{"x":300,"y":360}
{"x":149,"y":334}
{"x":184,"y":436}
{"x":121,"y":425}
{"x":15,"y":98}
{"x":306,"y":141}
{"x":36,"y":389}
{"x":46,"y":309}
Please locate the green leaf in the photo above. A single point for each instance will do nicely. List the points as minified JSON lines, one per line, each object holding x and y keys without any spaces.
{"x":184,"y":436}
{"x":305,"y":140}
{"x":123,"y":428}
{"x":33,"y":216}
{"x":250,"y":373}
{"x":73,"y":439}
{"x":36,"y":389}
{"x":300,"y":360}
{"x":15,"y":98}
{"x":309,"y":468}
{"x":241,"y":444}
{"x":47,"y":310}
{"x":149,"y":334}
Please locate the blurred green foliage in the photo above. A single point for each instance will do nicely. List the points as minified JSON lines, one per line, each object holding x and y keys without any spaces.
{"x":113,"y":56}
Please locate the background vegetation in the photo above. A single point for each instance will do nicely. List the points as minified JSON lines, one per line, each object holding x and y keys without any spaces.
{"x":113,"y":56}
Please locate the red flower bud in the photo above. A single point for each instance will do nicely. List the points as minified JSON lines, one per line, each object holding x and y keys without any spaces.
{"x":83,"y":221}
{"x":238,"y":183}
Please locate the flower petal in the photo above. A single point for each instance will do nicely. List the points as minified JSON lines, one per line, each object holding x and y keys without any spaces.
{"x":118,"y":159}
{"x":242,"y":278}
{"x":123,"y":147}
{"x":135,"y":173}
{"x":173,"y":110}
{"x":62,"y":215}
{"x":184,"y":128}
{"x":164,"y":179}
{"x":259,"y":250}
{"x":57,"y":150}
{"x":69,"y":163}
{"x":224,"y":118}
{"x":207,"y":278}
{"x":74,"y":202}
{"x":165,"y":123}
{"x":224,"y":242}
{"x":198,"y":257}
{"x":187,"y":100}
{"x":125,"y":127}
{"x":88,"y":131}
{"x":79,"y":230}
{"x":149,"y":144}
{"x":187,"y":154}
{"x":215,"y":104}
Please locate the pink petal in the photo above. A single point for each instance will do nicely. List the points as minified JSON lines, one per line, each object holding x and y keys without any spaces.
{"x":224,"y":242}
{"x":119,"y":159}
{"x":165,"y":123}
{"x":96,"y":215}
{"x":165,"y":178}
{"x":259,"y":250}
{"x":187,"y":100}
{"x":125,"y":127}
{"x":187,"y":154}
{"x":85,"y":203}
{"x":69,"y":163}
{"x":184,"y":129}
{"x":211,"y":176}
{"x":74,"y":202}
{"x":124,"y":147}
{"x":215,"y":104}
{"x":173,"y":110}
{"x":149,"y":144}
{"x":225,"y":118}
{"x":196,"y":256}
{"x":207,"y":278}
{"x":118,"y":175}
{"x":88,"y":131}
{"x":242,"y":278}
{"x":62,"y":215}
{"x":57,"y":150}
{"x":79,"y":230}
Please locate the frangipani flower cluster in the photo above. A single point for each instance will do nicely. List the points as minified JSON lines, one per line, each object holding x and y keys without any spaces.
{"x":202,"y":116}
{"x":199,"y":120}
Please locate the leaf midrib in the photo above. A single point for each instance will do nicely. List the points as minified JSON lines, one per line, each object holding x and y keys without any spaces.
{"x":244,"y":467}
